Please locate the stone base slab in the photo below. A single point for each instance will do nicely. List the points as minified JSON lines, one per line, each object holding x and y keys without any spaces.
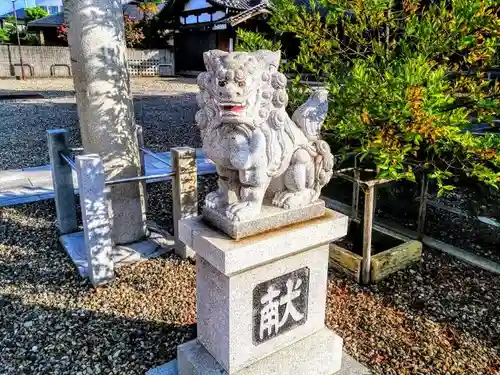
{"x":156,"y":245}
{"x":318,"y":354}
{"x":270,"y":218}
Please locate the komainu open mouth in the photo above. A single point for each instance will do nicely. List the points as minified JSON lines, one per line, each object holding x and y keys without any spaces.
{"x":232,"y":108}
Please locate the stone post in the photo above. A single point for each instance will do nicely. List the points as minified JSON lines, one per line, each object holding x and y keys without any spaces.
{"x":105,"y":109}
{"x":95,"y":218}
{"x":62,"y":179}
{"x":184,"y":193}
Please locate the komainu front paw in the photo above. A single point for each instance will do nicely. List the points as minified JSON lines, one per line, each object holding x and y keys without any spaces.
{"x":243,"y":211}
{"x":216,"y":199}
{"x":290,"y":200}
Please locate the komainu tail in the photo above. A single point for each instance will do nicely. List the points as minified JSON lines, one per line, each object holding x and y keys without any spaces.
{"x":323,"y":164}
{"x":310,"y":116}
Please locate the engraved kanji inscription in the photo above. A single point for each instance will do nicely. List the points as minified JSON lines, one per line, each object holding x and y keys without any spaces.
{"x":280,"y":305}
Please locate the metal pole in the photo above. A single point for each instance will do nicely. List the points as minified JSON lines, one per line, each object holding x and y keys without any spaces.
{"x":18,"y":39}
{"x":139,"y":178}
{"x":367,"y":234}
{"x":355,"y":194}
{"x":68,"y":160}
{"x":140,"y":142}
{"x":355,"y":189}
{"x":422,"y":212}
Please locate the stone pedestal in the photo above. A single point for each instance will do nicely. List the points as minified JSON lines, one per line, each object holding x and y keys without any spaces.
{"x":261,"y":301}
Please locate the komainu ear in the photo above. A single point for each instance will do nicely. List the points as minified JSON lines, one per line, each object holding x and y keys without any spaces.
{"x":212,"y":58}
{"x":271,"y":58}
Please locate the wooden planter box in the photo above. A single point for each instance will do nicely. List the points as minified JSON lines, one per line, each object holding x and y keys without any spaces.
{"x":390,"y":254}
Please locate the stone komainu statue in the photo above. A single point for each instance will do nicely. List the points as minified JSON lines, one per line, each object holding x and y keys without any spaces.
{"x":260,"y":153}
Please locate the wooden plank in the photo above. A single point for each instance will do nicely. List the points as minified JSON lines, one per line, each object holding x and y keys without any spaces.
{"x":384,"y":225}
{"x":392,"y":260}
{"x":345,"y":261}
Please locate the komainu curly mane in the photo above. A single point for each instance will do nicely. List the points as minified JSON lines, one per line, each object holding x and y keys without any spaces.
{"x":258,"y":150}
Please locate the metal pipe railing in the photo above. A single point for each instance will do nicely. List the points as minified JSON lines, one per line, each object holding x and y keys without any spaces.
{"x":138,"y":178}
{"x":68,"y":160}
{"x":71,"y":163}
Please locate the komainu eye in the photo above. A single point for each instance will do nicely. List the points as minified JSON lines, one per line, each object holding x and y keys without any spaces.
{"x":222,"y":83}
{"x":241,"y":84}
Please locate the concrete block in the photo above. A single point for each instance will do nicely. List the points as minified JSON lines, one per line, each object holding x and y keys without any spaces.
{"x":261,"y":302}
{"x":169,"y":368}
{"x":7,"y":182}
{"x":38,"y":176}
{"x":10,"y":174}
{"x":74,"y":244}
{"x":155,"y":245}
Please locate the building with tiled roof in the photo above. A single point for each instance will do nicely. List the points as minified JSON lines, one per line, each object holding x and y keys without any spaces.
{"x":201,"y":25}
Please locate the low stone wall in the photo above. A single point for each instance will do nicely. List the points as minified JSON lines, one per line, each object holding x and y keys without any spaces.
{"x":46,"y":61}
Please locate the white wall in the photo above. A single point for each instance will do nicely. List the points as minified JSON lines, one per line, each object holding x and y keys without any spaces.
{"x":42,"y":60}
{"x":197,"y":4}
{"x":46,"y":4}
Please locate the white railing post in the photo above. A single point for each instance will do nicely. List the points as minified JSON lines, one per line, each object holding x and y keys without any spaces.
{"x":95,"y":217}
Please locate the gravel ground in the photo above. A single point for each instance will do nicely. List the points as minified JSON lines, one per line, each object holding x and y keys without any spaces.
{"x":53,"y":322}
{"x":440,"y":317}
{"x":165,"y":107}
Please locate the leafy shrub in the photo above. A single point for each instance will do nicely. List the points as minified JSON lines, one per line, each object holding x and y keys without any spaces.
{"x":134,"y":34}
{"x":4,"y":36}
{"x":406,"y":78}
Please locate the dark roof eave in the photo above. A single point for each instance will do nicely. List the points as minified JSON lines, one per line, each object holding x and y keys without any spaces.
{"x":248,"y":14}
